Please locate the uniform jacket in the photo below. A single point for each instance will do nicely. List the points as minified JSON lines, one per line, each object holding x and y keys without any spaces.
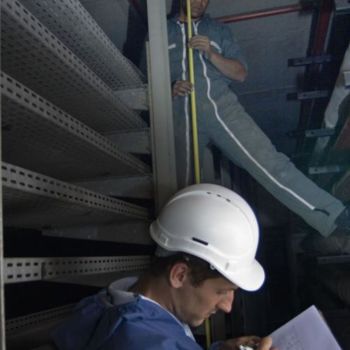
{"x":115,"y":319}
{"x":221,"y":40}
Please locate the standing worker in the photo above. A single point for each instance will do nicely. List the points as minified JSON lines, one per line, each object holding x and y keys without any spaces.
{"x":224,"y":122}
{"x":207,"y":238}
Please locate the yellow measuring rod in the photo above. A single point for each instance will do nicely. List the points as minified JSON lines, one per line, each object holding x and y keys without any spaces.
{"x":197,"y":175}
{"x":193,"y":98}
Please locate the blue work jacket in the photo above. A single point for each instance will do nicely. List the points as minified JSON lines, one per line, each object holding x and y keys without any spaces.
{"x":115,"y":319}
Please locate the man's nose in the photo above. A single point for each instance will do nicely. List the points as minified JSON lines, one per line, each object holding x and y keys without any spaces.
{"x":226,"y":303}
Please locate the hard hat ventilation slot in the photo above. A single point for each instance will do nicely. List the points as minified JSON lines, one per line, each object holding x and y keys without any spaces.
{"x":199,"y":241}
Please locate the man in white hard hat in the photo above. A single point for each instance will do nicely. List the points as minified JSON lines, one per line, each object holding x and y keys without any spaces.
{"x":207,"y":238}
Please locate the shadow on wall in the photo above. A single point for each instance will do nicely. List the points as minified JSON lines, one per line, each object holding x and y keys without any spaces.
{"x":136,"y":31}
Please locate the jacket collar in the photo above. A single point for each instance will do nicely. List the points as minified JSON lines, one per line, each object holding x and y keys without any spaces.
{"x":118,"y":291}
{"x":175,"y":19}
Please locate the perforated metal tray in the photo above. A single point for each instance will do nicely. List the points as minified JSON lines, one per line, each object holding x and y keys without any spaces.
{"x":75,"y":27}
{"x":36,"y":269}
{"x":35,"y":329}
{"x":18,"y":324}
{"x":39,"y":136}
{"x":35,"y":57}
{"x":32,"y":200}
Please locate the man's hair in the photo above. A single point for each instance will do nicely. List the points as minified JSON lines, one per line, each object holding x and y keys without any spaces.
{"x":200,"y":270}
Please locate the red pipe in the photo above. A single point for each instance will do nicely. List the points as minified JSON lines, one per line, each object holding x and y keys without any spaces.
{"x":322,"y":28}
{"x":260,"y":14}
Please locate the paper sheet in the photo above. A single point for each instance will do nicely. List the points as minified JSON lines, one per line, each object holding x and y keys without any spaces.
{"x":307,"y":331}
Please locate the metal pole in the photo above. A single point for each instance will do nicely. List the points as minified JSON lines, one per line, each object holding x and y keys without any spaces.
{"x":161,"y":114}
{"x":2,"y":291}
{"x":322,"y":28}
{"x":197,"y":175}
{"x":318,"y":44}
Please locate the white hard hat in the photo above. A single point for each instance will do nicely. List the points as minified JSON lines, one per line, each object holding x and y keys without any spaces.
{"x":216,"y":225}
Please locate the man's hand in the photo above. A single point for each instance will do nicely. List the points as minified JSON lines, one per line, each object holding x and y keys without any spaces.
{"x":181,"y":88}
{"x":201,"y":43}
{"x":230,"y":68}
{"x":250,"y":341}
{"x":266,"y":344}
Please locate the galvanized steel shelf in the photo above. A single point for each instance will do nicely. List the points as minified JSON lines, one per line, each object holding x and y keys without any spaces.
{"x":35,"y":329}
{"x":32,"y":200}
{"x":75,"y":27}
{"x":39,"y":136}
{"x":35,"y":57}
{"x":18,"y":324}
{"x":36,"y":269}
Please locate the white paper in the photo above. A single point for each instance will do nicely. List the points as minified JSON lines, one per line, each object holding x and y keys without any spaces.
{"x":307,"y":331}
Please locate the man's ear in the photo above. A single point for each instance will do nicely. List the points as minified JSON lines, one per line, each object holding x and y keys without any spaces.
{"x":178,"y":274}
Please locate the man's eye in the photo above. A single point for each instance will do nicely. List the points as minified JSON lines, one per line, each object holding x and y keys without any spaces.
{"x":221,"y":292}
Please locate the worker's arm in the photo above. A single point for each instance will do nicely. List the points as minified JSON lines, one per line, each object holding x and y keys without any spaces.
{"x":231,"y":68}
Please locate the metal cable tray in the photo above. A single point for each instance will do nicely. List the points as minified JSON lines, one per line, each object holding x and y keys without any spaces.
{"x":32,"y":200}
{"x":16,"y":325}
{"x":75,"y":27}
{"x":35,"y":57}
{"x":39,"y":136}
{"x":35,"y":329}
{"x":58,"y":269}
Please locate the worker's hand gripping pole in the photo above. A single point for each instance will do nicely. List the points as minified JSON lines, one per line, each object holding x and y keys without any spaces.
{"x":193,"y":98}
{"x":197,"y":175}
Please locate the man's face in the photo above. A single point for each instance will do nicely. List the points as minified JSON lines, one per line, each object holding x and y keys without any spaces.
{"x":198,"y":8}
{"x":195,"y":304}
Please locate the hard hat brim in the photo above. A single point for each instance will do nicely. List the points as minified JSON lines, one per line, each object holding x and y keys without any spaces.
{"x":249,"y":278}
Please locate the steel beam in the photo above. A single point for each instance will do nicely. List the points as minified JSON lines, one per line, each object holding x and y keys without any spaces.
{"x":308,"y":95}
{"x":134,"y":98}
{"x":162,"y":131}
{"x":32,"y":200}
{"x":130,"y":187}
{"x":62,"y":146}
{"x":135,"y":232}
{"x":76,"y":88}
{"x":35,"y":269}
{"x":319,"y":132}
{"x":305,"y":61}
{"x":312,"y":133}
{"x":327,"y":169}
{"x":131,"y":141}
{"x":72,"y":23}
{"x":35,"y":329}
{"x":342,"y":7}
{"x":2,"y":293}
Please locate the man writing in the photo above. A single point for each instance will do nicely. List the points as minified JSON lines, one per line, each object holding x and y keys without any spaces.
{"x":207,"y":239}
{"x":224,"y":122}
